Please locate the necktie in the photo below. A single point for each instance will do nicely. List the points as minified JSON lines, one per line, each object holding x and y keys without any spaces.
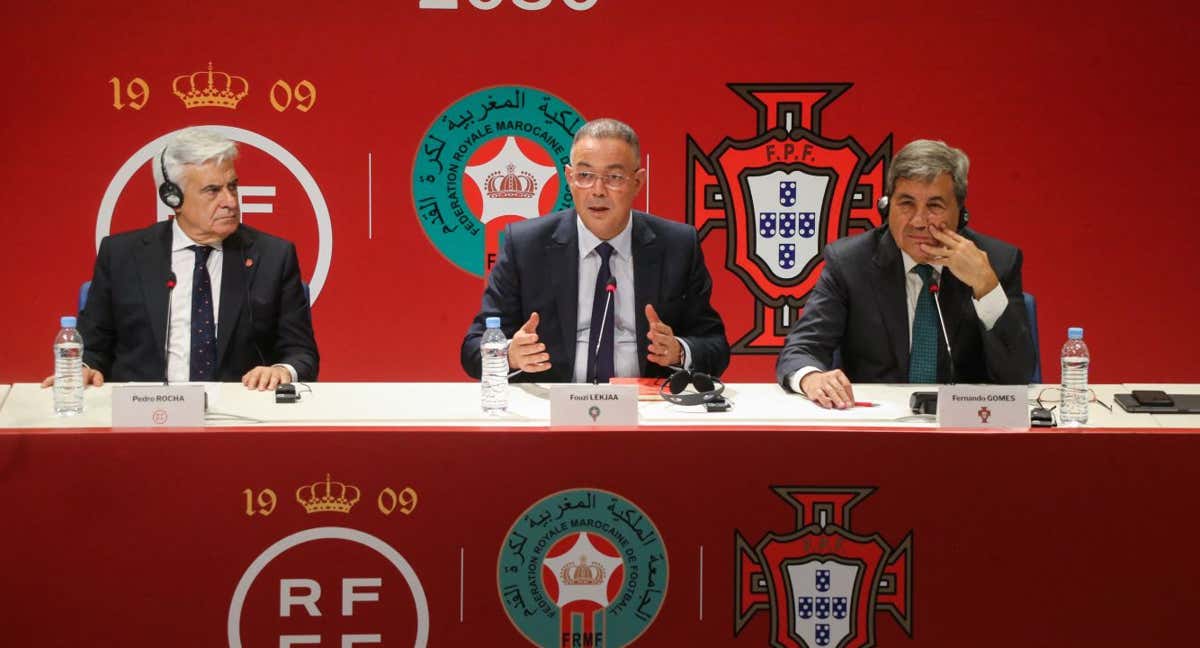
{"x":922,"y":360}
{"x":600,"y":358}
{"x":204,"y":331}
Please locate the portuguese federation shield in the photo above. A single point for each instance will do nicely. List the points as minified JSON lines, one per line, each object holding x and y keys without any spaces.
{"x":821,"y":592}
{"x":785,"y":211}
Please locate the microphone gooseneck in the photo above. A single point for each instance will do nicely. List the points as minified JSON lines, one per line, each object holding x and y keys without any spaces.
{"x":171,"y":281}
{"x":933,"y":290}
{"x":610,"y":288}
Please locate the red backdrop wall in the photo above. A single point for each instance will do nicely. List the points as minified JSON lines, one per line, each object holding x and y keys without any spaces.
{"x":1079,"y":121}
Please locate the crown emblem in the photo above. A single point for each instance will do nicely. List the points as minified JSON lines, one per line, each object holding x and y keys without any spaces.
{"x":225,"y":93}
{"x":582,"y":572}
{"x":511,"y":184}
{"x":332,"y":496}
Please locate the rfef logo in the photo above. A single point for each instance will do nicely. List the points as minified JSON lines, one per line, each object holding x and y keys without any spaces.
{"x":273,"y":185}
{"x":781,"y":196}
{"x":822,"y":585}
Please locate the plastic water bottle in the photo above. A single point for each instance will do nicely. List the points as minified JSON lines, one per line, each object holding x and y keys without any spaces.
{"x":494,"y":350}
{"x":1075,"y":360}
{"x":68,"y":370}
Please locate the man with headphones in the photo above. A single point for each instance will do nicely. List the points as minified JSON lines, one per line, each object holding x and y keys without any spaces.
{"x":199,"y":297}
{"x":876,"y":301}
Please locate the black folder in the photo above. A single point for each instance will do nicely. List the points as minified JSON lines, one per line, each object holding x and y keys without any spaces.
{"x":1184,"y":404}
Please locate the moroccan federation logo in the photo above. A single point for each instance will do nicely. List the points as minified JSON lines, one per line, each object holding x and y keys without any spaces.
{"x":583,"y":567}
{"x":822,"y":584}
{"x":781,"y":196}
{"x":492,"y":158}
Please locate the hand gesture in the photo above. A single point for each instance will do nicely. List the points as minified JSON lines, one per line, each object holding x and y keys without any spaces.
{"x":525,"y":352}
{"x":664,"y":348}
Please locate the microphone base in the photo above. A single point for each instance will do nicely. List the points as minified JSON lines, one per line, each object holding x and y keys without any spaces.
{"x":923,"y":402}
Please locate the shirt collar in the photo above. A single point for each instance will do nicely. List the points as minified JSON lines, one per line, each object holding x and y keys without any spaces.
{"x":622,"y":243}
{"x":181,"y":241}
{"x":909,"y":264}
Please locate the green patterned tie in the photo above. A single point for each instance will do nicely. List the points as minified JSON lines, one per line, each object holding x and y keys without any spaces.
{"x":922,"y":359}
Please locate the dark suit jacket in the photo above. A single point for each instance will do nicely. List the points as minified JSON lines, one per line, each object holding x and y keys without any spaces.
{"x":538,"y":270}
{"x":859,"y":306}
{"x":124,"y":322}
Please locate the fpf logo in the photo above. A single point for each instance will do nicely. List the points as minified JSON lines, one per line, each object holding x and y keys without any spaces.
{"x":822,"y":584}
{"x":781,"y":196}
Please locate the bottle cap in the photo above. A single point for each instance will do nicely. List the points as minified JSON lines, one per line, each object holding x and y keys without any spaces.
{"x":67,"y":321}
{"x":492,"y":322}
{"x":1075,"y":333}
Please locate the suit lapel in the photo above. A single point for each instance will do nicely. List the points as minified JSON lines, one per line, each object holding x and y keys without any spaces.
{"x":562,"y":261}
{"x":890,"y":294}
{"x":238,"y":265}
{"x":154,"y":266}
{"x":647,"y":274}
{"x":955,"y":297}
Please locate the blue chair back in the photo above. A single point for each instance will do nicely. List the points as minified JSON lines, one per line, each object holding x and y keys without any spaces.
{"x":1031,"y":315}
{"x":83,"y":294}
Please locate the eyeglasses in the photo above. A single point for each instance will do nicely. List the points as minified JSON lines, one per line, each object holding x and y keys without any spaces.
{"x":1056,"y":397}
{"x":586,"y":179}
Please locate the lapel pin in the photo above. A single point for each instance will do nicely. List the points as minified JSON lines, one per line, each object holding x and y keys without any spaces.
{"x":249,"y":263}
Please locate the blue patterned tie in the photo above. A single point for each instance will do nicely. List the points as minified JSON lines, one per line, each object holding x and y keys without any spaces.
{"x":204,"y":331}
{"x":922,"y":359}
{"x":600,"y":363}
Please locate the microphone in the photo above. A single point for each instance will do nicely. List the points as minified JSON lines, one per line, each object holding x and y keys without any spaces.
{"x":933,"y":290}
{"x":610,"y":288}
{"x":171,"y":281}
{"x":250,"y":310}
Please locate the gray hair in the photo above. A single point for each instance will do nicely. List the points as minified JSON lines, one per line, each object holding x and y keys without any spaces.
{"x":925,"y":160}
{"x":607,"y":127}
{"x":192,"y":146}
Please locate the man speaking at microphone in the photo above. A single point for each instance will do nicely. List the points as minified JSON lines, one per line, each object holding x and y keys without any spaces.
{"x":599,"y":291}
{"x":875,"y":298}
{"x":199,"y":297}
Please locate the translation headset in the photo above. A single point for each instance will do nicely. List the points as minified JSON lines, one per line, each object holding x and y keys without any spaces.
{"x":168,"y":191}
{"x":963,"y":215}
{"x":708,"y":389}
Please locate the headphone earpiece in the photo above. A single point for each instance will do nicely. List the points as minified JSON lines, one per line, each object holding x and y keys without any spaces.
{"x":708,"y":388}
{"x":678,"y":381}
{"x":168,"y":191}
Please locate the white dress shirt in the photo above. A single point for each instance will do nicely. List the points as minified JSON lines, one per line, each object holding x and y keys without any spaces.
{"x":620,"y":264}
{"x":989,"y":308}
{"x":183,"y":262}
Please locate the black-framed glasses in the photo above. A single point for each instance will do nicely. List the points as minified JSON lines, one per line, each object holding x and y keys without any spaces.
{"x":1045,"y":396}
{"x":587,"y":179}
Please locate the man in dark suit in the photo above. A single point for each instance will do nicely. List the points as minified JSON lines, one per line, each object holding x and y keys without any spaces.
{"x":237,"y":305}
{"x":554,"y":277}
{"x":874,"y":301}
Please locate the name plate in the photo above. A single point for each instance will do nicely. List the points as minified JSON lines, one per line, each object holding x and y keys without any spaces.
{"x":984,"y":406}
{"x":593,"y":405}
{"x":157,"y":406}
